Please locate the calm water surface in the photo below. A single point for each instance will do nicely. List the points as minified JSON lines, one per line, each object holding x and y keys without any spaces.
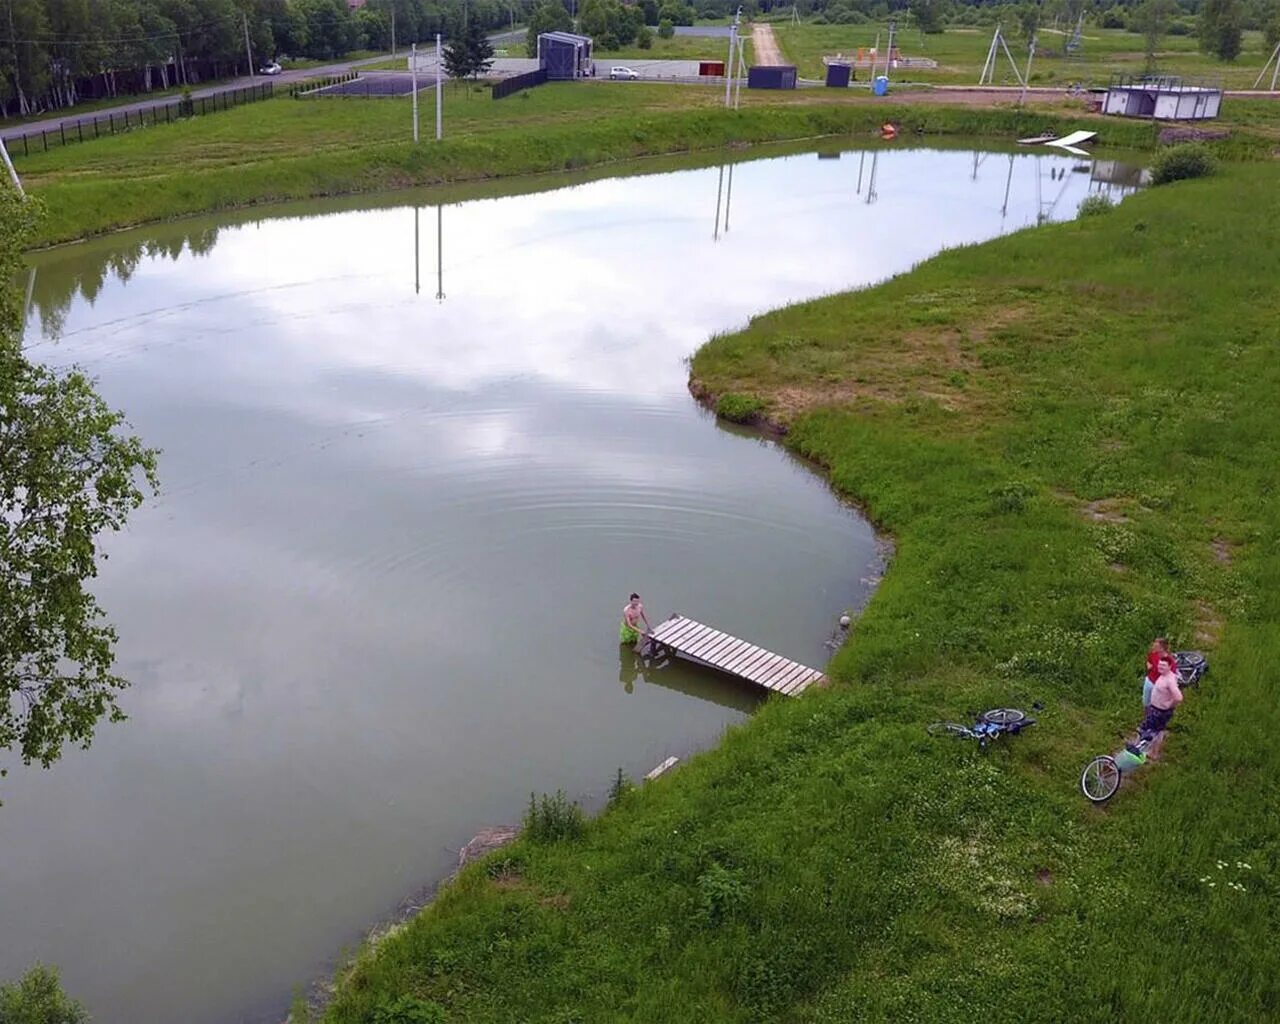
{"x":377,"y":601}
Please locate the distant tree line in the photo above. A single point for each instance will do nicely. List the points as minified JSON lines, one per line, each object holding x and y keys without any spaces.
{"x":55,"y":53}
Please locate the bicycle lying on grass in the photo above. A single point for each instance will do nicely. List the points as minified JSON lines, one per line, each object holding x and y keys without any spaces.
{"x":990,"y":725}
{"x":1102,"y":776}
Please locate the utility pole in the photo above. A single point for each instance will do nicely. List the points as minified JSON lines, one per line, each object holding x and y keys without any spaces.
{"x":12,"y":173}
{"x":413,"y":71}
{"x":247,"y":50}
{"x":393,"y":30}
{"x":1031,"y":52}
{"x":439,"y":90}
{"x":728,"y":68}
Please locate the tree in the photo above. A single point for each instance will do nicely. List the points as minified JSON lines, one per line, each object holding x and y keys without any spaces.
{"x":479,"y":48}
{"x":1221,"y":28}
{"x":927,"y":14}
{"x":1151,"y":19}
{"x":665,"y":29}
{"x":548,"y":16}
{"x":644,"y":38}
{"x":68,"y":472}
{"x":38,"y":999}
{"x":1271,"y":27}
{"x":649,"y":8}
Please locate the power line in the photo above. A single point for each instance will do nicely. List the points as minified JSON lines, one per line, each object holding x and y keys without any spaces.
{"x":99,"y":41}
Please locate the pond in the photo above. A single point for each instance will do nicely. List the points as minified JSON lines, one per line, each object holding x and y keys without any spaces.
{"x":415,"y":457}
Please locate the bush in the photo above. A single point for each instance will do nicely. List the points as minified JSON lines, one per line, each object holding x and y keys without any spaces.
{"x":619,"y":788}
{"x":666,"y":29}
{"x":553,"y":818}
{"x":644,"y":38}
{"x":1095,"y":204}
{"x":1178,"y":163}
{"x":38,"y":999}
{"x":739,"y":408}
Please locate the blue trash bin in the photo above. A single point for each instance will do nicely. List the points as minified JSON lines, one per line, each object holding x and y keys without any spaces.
{"x":880,"y":86}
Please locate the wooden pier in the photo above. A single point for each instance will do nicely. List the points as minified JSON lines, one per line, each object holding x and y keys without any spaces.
{"x":685,"y":638}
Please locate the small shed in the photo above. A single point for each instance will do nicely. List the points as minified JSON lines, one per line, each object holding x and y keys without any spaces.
{"x":564,"y":56}
{"x":771,"y":76}
{"x":1163,"y":98}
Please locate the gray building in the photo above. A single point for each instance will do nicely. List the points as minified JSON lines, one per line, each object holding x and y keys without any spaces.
{"x":564,"y":56}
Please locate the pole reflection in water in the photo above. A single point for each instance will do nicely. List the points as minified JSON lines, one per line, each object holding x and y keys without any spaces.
{"x":1004,"y":208}
{"x":417,"y":252}
{"x":871,"y":178}
{"x":728,"y":199}
{"x":862,"y":160}
{"x":439,"y":253}
{"x":715,"y":232}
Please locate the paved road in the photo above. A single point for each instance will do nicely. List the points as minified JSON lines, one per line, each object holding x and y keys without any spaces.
{"x":70,"y":118}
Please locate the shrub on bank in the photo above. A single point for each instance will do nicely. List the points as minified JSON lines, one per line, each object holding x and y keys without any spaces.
{"x":553,"y":818}
{"x":1181,"y":162}
{"x":739,"y":408}
{"x":1093,"y":205}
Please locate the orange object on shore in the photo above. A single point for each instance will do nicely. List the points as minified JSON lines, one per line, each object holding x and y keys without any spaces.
{"x":888,"y":131}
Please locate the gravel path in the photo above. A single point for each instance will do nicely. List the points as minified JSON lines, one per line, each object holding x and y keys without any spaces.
{"x":766,"y":46}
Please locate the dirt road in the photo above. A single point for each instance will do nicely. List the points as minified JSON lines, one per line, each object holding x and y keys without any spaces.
{"x":766,"y":46}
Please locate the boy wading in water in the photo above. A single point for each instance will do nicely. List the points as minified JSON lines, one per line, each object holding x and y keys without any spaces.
{"x":632,"y":615}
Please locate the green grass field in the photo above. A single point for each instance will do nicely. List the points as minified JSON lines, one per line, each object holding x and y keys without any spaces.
{"x":285,"y":149}
{"x":1070,"y":434}
{"x":960,"y":53}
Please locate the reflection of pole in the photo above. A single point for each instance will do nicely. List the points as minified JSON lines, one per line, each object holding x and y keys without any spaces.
{"x":9,"y":165}
{"x":439,"y":90}
{"x":417,"y":251}
{"x":715,"y":234}
{"x":440,"y":253}
{"x":1007,"y":182}
{"x":871,"y":181}
{"x":728,"y":199}
{"x":862,"y":159}
{"x":975,"y":165}
{"x":31,"y":290}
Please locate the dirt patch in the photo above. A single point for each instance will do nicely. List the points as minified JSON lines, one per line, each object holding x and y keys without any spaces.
{"x":1044,"y":876}
{"x":1224,"y":552}
{"x":1106,"y":510}
{"x":486,"y":841}
{"x":560,"y":901}
{"x":1208,"y":625}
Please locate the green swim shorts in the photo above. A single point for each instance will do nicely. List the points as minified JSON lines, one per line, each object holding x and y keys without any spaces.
{"x":627,"y":634}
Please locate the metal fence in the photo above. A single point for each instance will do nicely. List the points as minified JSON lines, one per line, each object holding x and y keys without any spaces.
{"x":304,"y":90}
{"x":112,"y":122}
{"x":517,"y":82}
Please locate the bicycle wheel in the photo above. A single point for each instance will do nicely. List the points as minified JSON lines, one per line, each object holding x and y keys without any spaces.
{"x":955,"y":729}
{"x":1100,"y":779}
{"x":1002,"y":716}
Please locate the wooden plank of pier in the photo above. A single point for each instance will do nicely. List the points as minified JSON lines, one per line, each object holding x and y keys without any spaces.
{"x":698,"y":642}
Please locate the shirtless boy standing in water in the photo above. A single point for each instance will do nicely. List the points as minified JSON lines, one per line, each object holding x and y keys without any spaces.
{"x":632,"y":615}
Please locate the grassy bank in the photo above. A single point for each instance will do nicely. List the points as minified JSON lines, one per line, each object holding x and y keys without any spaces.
{"x":292,"y":149}
{"x":1070,"y":434}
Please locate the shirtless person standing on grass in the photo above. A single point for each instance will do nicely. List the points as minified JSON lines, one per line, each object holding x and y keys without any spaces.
{"x":632,"y":615}
{"x":1166,"y":695}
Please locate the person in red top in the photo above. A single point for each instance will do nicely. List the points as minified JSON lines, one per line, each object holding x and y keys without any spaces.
{"x":1157,"y":659}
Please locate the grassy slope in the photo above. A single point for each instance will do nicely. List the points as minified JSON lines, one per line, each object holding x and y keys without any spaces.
{"x":1071,"y":434}
{"x":291,"y":149}
{"x":960,"y":53}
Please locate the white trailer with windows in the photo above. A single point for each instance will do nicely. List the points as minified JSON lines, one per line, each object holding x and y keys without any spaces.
{"x":1162,"y":98}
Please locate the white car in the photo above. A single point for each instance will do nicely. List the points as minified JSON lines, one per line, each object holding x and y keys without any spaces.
{"x":626,"y":74}
{"x":270,"y":69}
